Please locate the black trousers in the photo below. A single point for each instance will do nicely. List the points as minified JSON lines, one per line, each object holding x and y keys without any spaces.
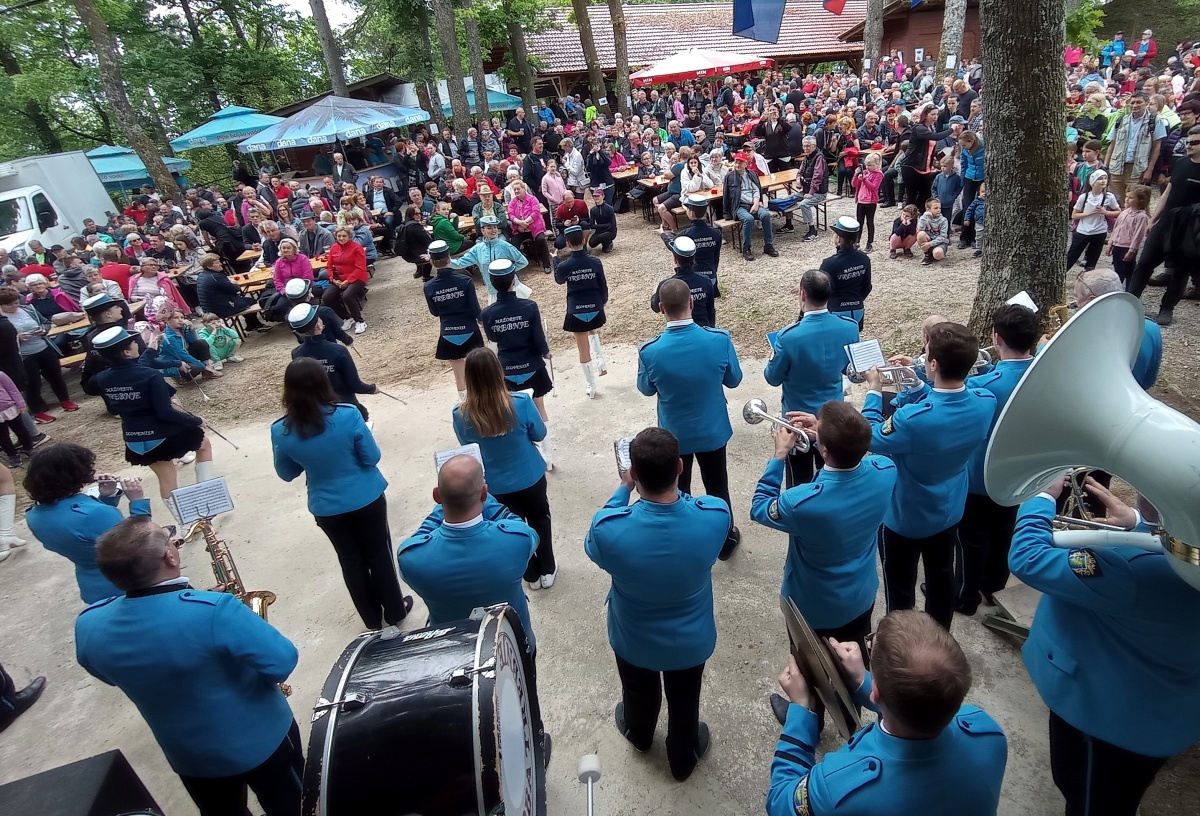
{"x":801,"y":467}
{"x":865,"y":214}
{"x":1096,"y":777}
{"x":887,"y":190}
{"x":532,"y":505}
{"x":642,"y":692}
{"x":598,"y":238}
{"x":17,"y":426}
{"x":1152,"y":255}
{"x":917,"y":187}
{"x":970,"y":191}
{"x":363,"y":544}
{"x":713,"y":472}
{"x":276,"y":784}
{"x":985,"y":536}
{"x":346,"y":303}
{"x":7,"y":690}
{"x":43,"y":364}
{"x":1089,"y":246}
{"x":900,"y":556}
{"x":200,"y":350}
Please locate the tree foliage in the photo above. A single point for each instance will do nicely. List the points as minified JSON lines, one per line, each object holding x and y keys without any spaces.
{"x":1082,"y":23}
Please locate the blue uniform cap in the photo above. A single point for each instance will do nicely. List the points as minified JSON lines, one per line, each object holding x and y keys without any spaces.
{"x":297,"y":288}
{"x":501,"y":268}
{"x":696,"y":202}
{"x":111,"y":338}
{"x":574,"y":229}
{"x":489,"y":221}
{"x":439,"y":249}
{"x":97,"y":303}
{"x":683,"y":246}
{"x":302,"y":317}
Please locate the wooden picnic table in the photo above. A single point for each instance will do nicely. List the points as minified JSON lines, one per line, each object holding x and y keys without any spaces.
{"x":135,"y":308}
{"x":623,"y":175}
{"x":249,"y":255}
{"x":777,"y":181}
{"x":253,"y":280}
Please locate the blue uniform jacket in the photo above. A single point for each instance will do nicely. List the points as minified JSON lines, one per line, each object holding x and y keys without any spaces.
{"x":141,"y":397}
{"x":482,"y":255}
{"x":587,"y":288}
{"x":687,"y":365}
{"x":832,"y":525}
{"x":850,"y":271}
{"x":70,"y":528}
{"x":957,"y":773}
{"x":339,"y":365}
{"x":201,"y":668}
{"x":341,"y":463}
{"x":511,"y":462}
{"x":1149,"y":359}
{"x":809,"y":360}
{"x":704,"y":305}
{"x":515,"y":325}
{"x":456,"y":569}
{"x":1001,"y":381}
{"x":660,"y":557}
{"x":931,"y":443}
{"x":452,"y":300}
{"x":1113,"y":648}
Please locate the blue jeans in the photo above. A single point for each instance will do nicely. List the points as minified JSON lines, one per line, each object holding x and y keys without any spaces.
{"x":763,"y":216}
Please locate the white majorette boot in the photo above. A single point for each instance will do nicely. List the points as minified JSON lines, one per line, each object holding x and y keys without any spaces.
{"x":589,"y":375}
{"x":597,"y":354}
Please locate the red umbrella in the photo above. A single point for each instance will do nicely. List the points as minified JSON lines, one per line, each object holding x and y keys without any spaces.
{"x":696,"y":63}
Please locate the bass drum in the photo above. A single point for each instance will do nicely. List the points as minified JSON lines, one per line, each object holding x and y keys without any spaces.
{"x":438,"y":722}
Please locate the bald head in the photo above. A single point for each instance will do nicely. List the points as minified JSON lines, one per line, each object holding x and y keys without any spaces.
{"x":675,"y":299}
{"x":461,"y":489}
{"x":931,"y":321}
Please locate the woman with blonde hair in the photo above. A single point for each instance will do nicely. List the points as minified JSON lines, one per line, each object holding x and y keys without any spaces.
{"x":507,"y":428}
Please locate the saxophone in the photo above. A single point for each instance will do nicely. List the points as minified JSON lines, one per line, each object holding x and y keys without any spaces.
{"x":228,"y":579}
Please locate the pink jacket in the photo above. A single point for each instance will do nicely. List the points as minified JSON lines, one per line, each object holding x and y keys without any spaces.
{"x":297,"y":267}
{"x":530,"y":207}
{"x":64,"y":301}
{"x":553,"y":188}
{"x":10,"y":395}
{"x":866,"y":186}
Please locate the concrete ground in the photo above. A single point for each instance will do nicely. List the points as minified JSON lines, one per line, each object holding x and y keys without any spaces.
{"x":278,"y":547}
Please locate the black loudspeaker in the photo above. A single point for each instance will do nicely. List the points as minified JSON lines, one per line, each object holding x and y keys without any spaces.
{"x":103,"y":785}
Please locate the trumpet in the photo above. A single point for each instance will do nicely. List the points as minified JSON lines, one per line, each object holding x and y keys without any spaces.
{"x":755,"y":411}
{"x":903,"y":376}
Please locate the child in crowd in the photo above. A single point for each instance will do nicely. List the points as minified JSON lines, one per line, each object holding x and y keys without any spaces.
{"x":1082,"y":171}
{"x":933,"y":233}
{"x":1129,"y":231}
{"x":553,"y":185}
{"x":866,"y":183}
{"x":947,"y":185}
{"x":972,"y":226}
{"x":904,"y":232}
{"x":1090,"y":216}
{"x":12,"y":405}
{"x":223,"y":342}
{"x":14,"y":279}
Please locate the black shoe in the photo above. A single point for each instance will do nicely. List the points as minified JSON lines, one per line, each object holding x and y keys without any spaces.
{"x":731,"y":543}
{"x":1161,"y":279}
{"x":41,"y":439}
{"x":703,"y":742}
{"x":812,"y":234}
{"x":883,"y":205}
{"x":989,"y":599}
{"x":624,"y":731}
{"x":977,"y":253}
{"x":869,"y":248}
{"x":769,"y":249}
{"x":927,"y":260}
{"x":788,"y":228}
{"x":747,"y":254}
{"x":547,"y":749}
{"x":962,"y":245}
{"x":417,"y":274}
{"x":606,"y":247}
{"x":1165,"y":317}
{"x":22,"y":700}
{"x":966,"y":608}
{"x":779,"y":707}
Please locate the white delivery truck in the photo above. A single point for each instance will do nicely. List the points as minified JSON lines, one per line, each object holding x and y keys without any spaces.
{"x":47,"y":198}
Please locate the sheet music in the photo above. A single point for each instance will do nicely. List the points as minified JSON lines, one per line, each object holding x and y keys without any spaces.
{"x":202,"y":499}
{"x":442,"y":457}
{"x":621,"y":449}
{"x":865,"y":354}
{"x":773,"y":339}
{"x":1022,"y":298}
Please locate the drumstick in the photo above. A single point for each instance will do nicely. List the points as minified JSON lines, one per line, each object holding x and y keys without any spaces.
{"x":379,"y":390}
{"x":218,"y":433}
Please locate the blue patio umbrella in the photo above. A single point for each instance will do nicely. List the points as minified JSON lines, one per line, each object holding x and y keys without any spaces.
{"x":232,"y":124}
{"x":120,"y":168}
{"x":332,"y":119}
{"x":496,"y":101}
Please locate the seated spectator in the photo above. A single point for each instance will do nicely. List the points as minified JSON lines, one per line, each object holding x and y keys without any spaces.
{"x":99,"y":283}
{"x":290,"y":264}
{"x":933,"y":233}
{"x":188,"y":356}
{"x":72,"y":279}
{"x":460,"y":202}
{"x":904,"y":233}
{"x":222,"y":341}
{"x":445,"y":228}
{"x":528,"y":226}
{"x":571,"y":212}
{"x":147,"y":282}
{"x":412,"y":241}
{"x":49,"y":301}
{"x":221,"y":296}
{"x":315,"y":239}
{"x":363,"y":237}
{"x":348,"y":278}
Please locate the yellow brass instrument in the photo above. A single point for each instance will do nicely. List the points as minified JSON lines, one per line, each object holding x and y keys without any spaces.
{"x":228,"y":579}
{"x":1061,"y":314}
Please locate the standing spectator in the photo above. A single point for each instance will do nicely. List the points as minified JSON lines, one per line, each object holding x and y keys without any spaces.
{"x":1090,"y":217}
{"x":1128,"y":233}
{"x":1145,"y":50}
{"x":520,"y":131}
{"x":866,"y":183}
{"x":1137,"y":138}
{"x":37,"y":356}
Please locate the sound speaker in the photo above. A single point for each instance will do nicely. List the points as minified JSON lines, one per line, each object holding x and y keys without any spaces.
{"x":102,"y":785}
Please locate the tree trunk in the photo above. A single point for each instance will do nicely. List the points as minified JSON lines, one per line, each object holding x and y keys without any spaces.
{"x":621,"y":52}
{"x":954,"y":21}
{"x":873,"y":33}
{"x":1026,"y":230}
{"x":426,"y":83}
{"x":447,"y":34}
{"x":595,"y":76}
{"x":520,"y":58}
{"x":33,"y":109}
{"x":475,"y":59}
{"x":206,"y":65}
{"x":329,"y":49}
{"x":114,"y":89}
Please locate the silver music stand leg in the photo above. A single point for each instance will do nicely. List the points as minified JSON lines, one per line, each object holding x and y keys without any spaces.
{"x":589,"y":774}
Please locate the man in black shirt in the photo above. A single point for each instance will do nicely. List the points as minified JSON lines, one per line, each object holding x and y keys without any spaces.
{"x":520,"y":131}
{"x":1181,"y":194}
{"x":162,"y":251}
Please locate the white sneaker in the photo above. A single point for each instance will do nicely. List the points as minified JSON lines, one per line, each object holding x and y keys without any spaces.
{"x":235,"y":358}
{"x":359,"y":328}
{"x":347,"y":323}
{"x":4,"y":554}
{"x":548,"y":580}
{"x":187,"y":458}
{"x":535,"y":585}
{"x":389,"y":632}
{"x":218,"y":365}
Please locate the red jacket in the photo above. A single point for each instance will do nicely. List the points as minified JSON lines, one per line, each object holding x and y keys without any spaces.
{"x":139,"y":216}
{"x":118,"y":273}
{"x":348,"y":262}
{"x":471,"y":191}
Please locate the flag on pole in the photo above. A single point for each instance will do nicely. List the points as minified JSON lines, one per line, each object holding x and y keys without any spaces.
{"x":758,"y":19}
{"x":836,"y":6}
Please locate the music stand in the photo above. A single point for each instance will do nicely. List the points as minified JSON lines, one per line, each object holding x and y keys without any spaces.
{"x":820,"y":670}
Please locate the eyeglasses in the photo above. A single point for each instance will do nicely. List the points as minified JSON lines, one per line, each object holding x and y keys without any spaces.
{"x":1193,"y":144}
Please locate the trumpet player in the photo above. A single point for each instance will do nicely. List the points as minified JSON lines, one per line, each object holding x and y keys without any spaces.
{"x":931,"y":442}
{"x":986,"y":529}
{"x":691,"y":398}
{"x":832,"y":523}
{"x":202,"y":669}
{"x":1112,"y":652}
{"x":810,"y":357}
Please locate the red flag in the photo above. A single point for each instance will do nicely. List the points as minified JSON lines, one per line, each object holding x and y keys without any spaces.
{"x":836,"y":6}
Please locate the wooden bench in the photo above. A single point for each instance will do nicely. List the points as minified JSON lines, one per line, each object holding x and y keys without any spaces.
{"x":73,"y":360}
{"x":237,"y":322}
{"x":822,"y":214}
{"x":735,"y":231}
